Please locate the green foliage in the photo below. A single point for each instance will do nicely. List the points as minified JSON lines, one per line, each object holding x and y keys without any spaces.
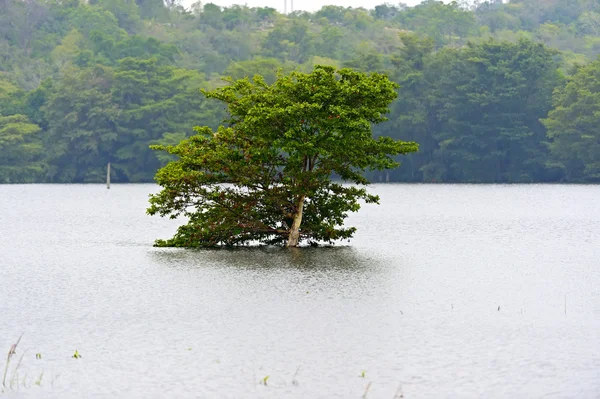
{"x":489,"y":99}
{"x":266,"y":67}
{"x":268,"y":175}
{"x":81,"y":124}
{"x":366,"y":58}
{"x":20,"y":150}
{"x":126,"y":12}
{"x":104,"y":79}
{"x":445,"y":23}
{"x":290,"y":41}
{"x":152,"y":9}
{"x":99,"y":115}
{"x":153,"y":101}
{"x":95,"y":19}
{"x":475,"y":111}
{"x":574,"y":126}
{"x":10,"y":98}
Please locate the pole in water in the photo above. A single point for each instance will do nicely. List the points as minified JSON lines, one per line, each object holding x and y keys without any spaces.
{"x":108,"y":176}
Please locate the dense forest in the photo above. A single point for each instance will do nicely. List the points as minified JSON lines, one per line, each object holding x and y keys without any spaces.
{"x":492,"y":91}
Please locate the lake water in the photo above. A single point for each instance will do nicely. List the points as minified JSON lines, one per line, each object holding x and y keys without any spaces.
{"x":447,"y":291}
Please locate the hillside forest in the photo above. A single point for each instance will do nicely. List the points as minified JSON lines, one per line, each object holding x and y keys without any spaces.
{"x":493,"y":91}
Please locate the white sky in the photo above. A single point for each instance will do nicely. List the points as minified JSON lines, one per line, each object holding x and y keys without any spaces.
{"x":306,"y":5}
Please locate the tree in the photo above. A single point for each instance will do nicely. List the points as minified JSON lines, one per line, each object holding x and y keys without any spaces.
{"x":493,"y":15}
{"x":89,"y":19}
{"x":574,"y":126}
{"x":20,"y":150}
{"x":412,"y":116}
{"x":125,"y":11}
{"x":385,"y":11}
{"x":8,"y":96}
{"x":292,"y":41}
{"x":64,"y":54}
{"x":488,"y":100}
{"x":152,"y":100}
{"x":81,"y":125}
{"x":266,"y":177}
{"x":249,"y":68}
{"x":152,"y":9}
{"x":366,"y":59}
{"x":330,"y":41}
{"x":334,"y":14}
{"x":443,"y":22}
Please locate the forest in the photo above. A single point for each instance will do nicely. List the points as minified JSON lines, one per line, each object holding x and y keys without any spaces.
{"x":492,"y":91}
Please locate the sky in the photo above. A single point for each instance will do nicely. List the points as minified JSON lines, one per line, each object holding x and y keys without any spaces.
{"x":305,"y":5}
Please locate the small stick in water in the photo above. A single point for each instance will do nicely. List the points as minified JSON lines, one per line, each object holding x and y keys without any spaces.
{"x":399,"y":393}
{"x":367,"y":390}
{"x":108,"y":176}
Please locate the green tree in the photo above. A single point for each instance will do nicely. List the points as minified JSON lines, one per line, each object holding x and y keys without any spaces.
{"x":266,"y":67}
{"x":66,"y":53}
{"x":126,"y":12}
{"x":152,"y":9}
{"x":589,"y":23}
{"x":21,"y":150}
{"x":366,"y":59}
{"x":267,"y":177}
{"x":494,"y":15}
{"x":88,"y":19}
{"x":9,"y":94}
{"x":153,"y":101}
{"x":81,"y":125}
{"x":574,"y":126}
{"x":385,"y":11}
{"x":412,"y":115}
{"x":212,"y":15}
{"x":329,"y":41}
{"x":488,"y":99}
{"x":292,"y":41}
{"x":445,"y":23}
{"x":236,"y":17}
{"x":334,"y":14}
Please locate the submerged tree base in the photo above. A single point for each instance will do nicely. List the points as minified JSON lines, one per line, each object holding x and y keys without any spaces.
{"x":172,"y":243}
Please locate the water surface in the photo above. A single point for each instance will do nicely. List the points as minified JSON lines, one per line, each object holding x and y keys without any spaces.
{"x":451,"y":291}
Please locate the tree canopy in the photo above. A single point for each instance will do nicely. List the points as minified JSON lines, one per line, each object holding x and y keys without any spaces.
{"x":267,"y":176}
{"x":574,"y":126}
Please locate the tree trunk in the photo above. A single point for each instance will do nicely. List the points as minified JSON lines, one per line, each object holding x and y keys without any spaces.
{"x":294,"y":236}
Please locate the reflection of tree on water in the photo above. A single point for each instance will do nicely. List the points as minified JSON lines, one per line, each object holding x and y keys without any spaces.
{"x":330,"y":273}
{"x":257,"y":258}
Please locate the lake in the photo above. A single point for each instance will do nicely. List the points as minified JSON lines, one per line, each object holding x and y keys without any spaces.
{"x":453,"y":291}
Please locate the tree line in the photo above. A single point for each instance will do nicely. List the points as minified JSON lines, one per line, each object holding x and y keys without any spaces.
{"x":491,"y":91}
